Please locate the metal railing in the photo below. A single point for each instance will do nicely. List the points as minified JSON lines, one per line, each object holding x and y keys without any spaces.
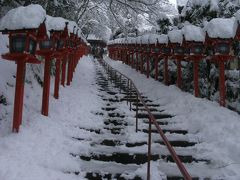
{"x":152,"y":120}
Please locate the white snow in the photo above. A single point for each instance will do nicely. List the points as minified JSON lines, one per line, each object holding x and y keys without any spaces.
{"x":193,"y":33}
{"x":215,"y":128}
{"x":55,"y":23}
{"x":71,"y":26}
{"x":163,"y":39}
{"x":221,"y":28}
{"x":175,"y":36}
{"x":41,"y":150}
{"x":23,"y":17}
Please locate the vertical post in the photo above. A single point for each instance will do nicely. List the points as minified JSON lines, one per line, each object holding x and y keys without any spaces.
{"x":64,"y":63}
{"x":19,"y":93}
{"x":57,"y":79}
{"x":179,"y":74}
{"x":196,"y":83}
{"x":141,"y":64}
{"x":130,"y":96}
{"x":148,"y":66}
{"x":166,"y":70}
{"x":46,"y":86}
{"x":69,"y":70}
{"x":156,"y":67}
{"x":222,"y":87}
{"x":128,"y":92}
{"x":120,"y":84}
{"x":136,"y":113}
{"x":136,"y":61}
{"x":149,"y":149}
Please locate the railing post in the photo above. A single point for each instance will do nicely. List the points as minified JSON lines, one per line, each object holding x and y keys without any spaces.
{"x":128,"y":92}
{"x":136,"y":113}
{"x":130,"y":96}
{"x":120,"y":83}
{"x":149,"y":148}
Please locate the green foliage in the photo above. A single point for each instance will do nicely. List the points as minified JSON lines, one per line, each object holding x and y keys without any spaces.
{"x":3,"y":100}
{"x":164,"y":25}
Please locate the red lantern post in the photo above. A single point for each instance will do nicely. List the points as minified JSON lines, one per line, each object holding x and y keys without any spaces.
{"x":194,"y":49}
{"x":22,"y":47}
{"x":221,"y":45}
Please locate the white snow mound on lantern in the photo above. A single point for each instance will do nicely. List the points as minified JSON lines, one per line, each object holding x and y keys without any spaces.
{"x":193,"y":33}
{"x":71,"y":26}
{"x":163,"y":39}
{"x":175,"y":36}
{"x":55,"y":23}
{"x":221,"y":28}
{"x":27,"y":17}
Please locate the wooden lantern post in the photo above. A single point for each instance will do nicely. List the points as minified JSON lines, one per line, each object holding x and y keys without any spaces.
{"x":175,"y":38}
{"x":221,"y":44}
{"x":70,"y":56}
{"x":22,"y":47}
{"x":222,"y":49}
{"x":194,"y":50}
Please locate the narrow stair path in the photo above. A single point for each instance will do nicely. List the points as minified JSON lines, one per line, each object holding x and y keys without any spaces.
{"x":117,"y":152}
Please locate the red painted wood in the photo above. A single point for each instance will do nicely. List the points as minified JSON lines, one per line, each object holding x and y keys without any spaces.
{"x":141,"y":67}
{"x":19,"y":94}
{"x":46,"y":86}
{"x":156,"y":67}
{"x":179,"y":74}
{"x":69,"y":69}
{"x":64,"y":64}
{"x":222,"y":87}
{"x":166,"y":70}
{"x":196,"y":77}
{"x":57,"y":79}
{"x":148,"y":66}
{"x":137,"y":55}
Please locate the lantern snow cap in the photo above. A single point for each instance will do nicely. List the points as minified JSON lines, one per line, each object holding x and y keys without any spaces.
{"x":28,"y":17}
{"x":193,"y":33}
{"x":221,"y":28}
{"x":145,"y":38}
{"x":55,"y":23}
{"x":175,"y":36}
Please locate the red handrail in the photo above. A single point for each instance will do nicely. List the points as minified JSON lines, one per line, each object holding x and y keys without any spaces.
{"x":152,"y":119}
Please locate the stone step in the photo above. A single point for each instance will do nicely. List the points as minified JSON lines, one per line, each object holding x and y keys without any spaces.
{"x":122,"y":158}
{"x":179,"y":143}
{"x":157,"y":116}
{"x":171,"y":131}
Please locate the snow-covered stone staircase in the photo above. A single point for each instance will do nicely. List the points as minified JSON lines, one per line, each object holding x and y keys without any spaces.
{"x":118,"y":152}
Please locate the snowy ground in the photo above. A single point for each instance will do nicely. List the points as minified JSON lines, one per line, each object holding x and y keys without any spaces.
{"x":216,"y":128}
{"x":42,"y":148}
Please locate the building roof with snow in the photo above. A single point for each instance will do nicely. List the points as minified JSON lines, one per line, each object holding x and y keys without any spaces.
{"x":175,"y":36}
{"x":23,"y":17}
{"x":221,"y":28}
{"x":193,"y":33}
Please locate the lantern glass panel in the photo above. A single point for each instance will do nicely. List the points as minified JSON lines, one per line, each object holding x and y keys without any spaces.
{"x":18,"y":44}
{"x":166,"y":50}
{"x":222,"y":48}
{"x":46,"y":44}
{"x":156,"y":49}
{"x":60,"y":44}
{"x":32,"y":46}
{"x":197,"y":49}
{"x":179,"y":50}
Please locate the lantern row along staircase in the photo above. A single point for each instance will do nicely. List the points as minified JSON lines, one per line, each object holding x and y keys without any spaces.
{"x":52,"y":38}
{"x":191,"y":44}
